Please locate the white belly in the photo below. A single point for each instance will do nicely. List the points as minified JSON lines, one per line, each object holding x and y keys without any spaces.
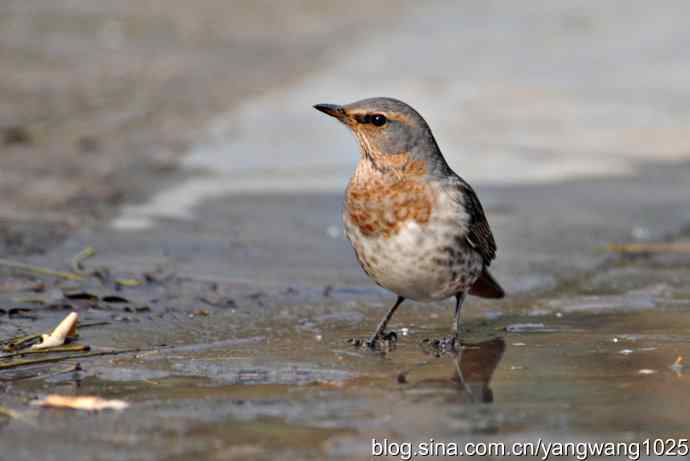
{"x":422,"y":263}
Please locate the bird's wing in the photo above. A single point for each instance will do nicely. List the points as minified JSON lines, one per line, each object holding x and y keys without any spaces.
{"x":479,"y":234}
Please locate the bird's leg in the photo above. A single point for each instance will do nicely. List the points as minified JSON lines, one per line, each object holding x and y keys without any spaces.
{"x":459,"y":299}
{"x":384,"y":321}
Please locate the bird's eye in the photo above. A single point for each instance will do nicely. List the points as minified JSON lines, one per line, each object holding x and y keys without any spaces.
{"x":378,"y":119}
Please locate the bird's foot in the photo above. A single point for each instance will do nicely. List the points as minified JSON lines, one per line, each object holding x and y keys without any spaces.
{"x":443,"y":345}
{"x":384,"y":342}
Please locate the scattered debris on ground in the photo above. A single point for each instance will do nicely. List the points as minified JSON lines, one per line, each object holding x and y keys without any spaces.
{"x":68,"y":327}
{"x":80,"y":402}
{"x":36,"y":270}
{"x":81,"y":289}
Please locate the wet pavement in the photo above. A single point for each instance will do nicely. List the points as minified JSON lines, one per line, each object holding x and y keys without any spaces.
{"x":245,"y":348}
{"x":250,"y":295}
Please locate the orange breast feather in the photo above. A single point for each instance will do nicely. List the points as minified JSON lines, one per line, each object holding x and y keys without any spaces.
{"x":380,"y":204}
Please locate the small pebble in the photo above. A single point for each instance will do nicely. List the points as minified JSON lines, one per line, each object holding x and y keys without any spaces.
{"x":646,"y":371}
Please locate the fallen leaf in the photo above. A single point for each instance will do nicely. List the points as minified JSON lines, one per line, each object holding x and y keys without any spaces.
{"x":83,"y":402}
{"x":68,"y":327}
{"x":129,"y":282}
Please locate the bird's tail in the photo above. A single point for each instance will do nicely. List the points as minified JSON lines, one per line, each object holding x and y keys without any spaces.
{"x":487,"y":287}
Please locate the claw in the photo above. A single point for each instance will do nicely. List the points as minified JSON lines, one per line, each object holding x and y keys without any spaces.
{"x":386,"y":340}
{"x":390,"y":336}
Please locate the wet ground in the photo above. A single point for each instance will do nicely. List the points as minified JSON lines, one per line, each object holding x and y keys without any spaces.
{"x":236,"y":363}
{"x":249,"y":294}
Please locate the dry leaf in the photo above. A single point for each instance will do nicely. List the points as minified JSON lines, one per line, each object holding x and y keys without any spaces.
{"x":84,"y":402}
{"x":68,"y":327}
{"x":129,"y":282}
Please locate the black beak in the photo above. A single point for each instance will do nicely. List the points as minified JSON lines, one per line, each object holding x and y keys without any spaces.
{"x":333,"y":110}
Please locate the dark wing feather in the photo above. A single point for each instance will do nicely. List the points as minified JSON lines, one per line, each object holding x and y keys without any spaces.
{"x":479,"y":233}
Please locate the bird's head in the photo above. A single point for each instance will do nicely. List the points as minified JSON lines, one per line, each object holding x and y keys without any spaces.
{"x":390,"y":133}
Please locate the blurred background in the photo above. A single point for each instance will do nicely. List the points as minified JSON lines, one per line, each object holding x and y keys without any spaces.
{"x":177,"y":140}
{"x":160,"y":104}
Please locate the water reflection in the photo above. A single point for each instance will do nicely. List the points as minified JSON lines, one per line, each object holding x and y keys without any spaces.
{"x":473,"y":366}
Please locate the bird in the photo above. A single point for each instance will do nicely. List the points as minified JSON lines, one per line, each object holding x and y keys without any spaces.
{"x":417,"y":228}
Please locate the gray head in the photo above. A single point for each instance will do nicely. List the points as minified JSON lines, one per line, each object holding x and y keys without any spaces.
{"x":388,"y":129}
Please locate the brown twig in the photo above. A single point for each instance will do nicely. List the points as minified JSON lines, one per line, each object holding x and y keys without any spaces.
{"x":68,"y":348}
{"x":39,"y":270}
{"x":20,"y":363}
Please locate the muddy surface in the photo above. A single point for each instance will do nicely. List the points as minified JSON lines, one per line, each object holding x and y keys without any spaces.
{"x":232,"y":291}
{"x":234,"y":365}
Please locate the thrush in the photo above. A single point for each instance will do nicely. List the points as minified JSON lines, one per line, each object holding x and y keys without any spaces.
{"x":417,"y":228}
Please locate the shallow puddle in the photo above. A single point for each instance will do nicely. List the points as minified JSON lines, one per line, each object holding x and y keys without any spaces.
{"x":274,"y":373}
{"x":583,"y":375}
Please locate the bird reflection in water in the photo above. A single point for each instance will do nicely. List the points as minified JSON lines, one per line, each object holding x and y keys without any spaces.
{"x":473,"y":367}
